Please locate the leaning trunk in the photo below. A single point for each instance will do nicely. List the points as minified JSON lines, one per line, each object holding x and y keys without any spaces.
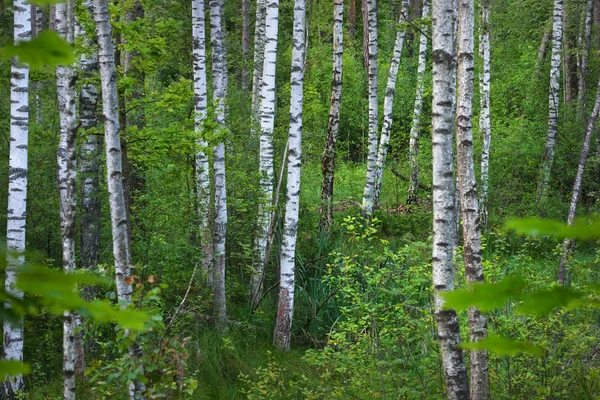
{"x":585,"y":149}
{"x":415,"y":130}
{"x":443,"y":197}
{"x":368,"y":203}
{"x":265,"y":168}
{"x":245,"y":41}
{"x":553,"y":102}
{"x":17,"y":190}
{"x":219,"y":83}
{"x":480,"y":387}
{"x":388,"y":105}
{"x":283,"y":324}
{"x":333,"y":127}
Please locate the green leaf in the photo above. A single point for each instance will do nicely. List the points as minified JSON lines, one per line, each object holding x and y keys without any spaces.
{"x":543,"y":301}
{"x":504,"y":346}
{"x":13,"y":368}
{"x":485,"y":296}
{"x":46,"y":49}
{"x":547,"y":227}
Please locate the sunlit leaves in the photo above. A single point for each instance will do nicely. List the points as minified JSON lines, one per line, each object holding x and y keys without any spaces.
{"x":46,"y":49}
{"x":485,"y":296}
{"x":504,"y":346}
{"x":547,"y":227}
{"x":542,"y":302}
{"x":12,"y":368}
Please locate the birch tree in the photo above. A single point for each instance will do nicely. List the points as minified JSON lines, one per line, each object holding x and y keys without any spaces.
{"x":219,"y":82}
{"x":415,"y":129}
{"x":480,"y":387}
{"x":17,"y":190}
{"x":259,"y":54}
{"x":484,"y":114}
{"x":368,"y":203}
{"x":443,"y":197}
{"x":583,"y":57}
{"x":66,"y":161}
{"x":553,"y":101}
{"x":114,"y":172}
{"x":202,"y":161}
{"x":285,"y":310}
{"x":585,"y":150}
{"x":333,"y":127}
{"x":388,"y":103}
{"x":245,"y":41}
{"x":89,"y":171}
{"x":267,"y":121}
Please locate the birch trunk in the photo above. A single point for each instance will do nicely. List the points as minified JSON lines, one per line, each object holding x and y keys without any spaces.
{"x":585,"y":149}
{"x":443,"y":197}
{"x":66,"y":161}
{"x":219,"y":87}
{"x":112,"y":144}
{"x":388,"y":104}
{"x":89,"y":171}
{"x":553,"y":102}
{"x":484,"y":114}
{"x":17,"y":190}
{"x":584,"y":51}
{"x":285,"y":310}
{"x":202,"y":161}
{"x":333,"y":127}
{"x":480,"y":387}
{"x":267,"y":121}
{"x":245,"y":41}
{"x":368,"y":203}
{"x":259,"y":54}
{"x":415,"y":130}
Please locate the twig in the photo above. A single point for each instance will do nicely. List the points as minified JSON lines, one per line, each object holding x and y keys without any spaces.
{"x":404,"y":178}
{"x":263,"y":297}
{"x":320,"y":306}
{"x":182,"y":301}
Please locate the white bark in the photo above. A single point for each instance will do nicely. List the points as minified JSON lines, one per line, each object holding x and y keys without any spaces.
{"x":584,"y":54}
{"x":388,"y":105}
{"x":585,"y":149}
{"x":17,"y":189}
{"x":553,"y":101}
{"x":220,"y":225}
{"x":484,"y":114}
{"x":368,"y":203}
{"x":66,"y":161}
{"x":267,"y":120}
{"x":480,"y":388}
{"x":415,"y":129}
{"x":89,"y":170}
{"x":108,"y":77}
{"x":259,"y":54}
{"x":283,"y":324}
{"x":443,"y":196}
{"x":333,"y":127}
{"x":90,"y":149}
{"x":114,"y":170}
{"x":202,"y":161}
